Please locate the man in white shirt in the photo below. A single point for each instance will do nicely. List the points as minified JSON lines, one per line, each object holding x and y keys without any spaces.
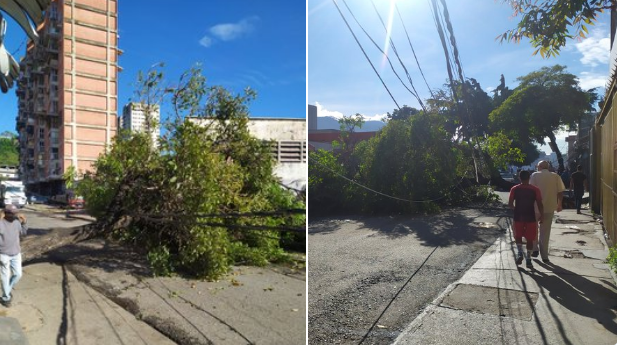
{"x":552,"y":188}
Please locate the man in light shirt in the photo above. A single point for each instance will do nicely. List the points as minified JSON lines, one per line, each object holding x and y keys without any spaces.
{"x":12,"y":227}
{"x":552,"y":188}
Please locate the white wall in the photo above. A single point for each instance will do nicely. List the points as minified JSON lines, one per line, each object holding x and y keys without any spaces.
{"x":278,"y":129}
{"x":292,"y":174}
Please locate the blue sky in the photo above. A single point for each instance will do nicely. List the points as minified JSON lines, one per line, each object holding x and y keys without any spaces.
{"x":341,"y":81}
{"x":239,"y":44}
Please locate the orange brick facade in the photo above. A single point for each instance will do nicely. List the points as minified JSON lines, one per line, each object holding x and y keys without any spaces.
{"x":72,"y":73}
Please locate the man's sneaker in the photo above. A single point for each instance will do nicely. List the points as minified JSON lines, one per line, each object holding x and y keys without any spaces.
{"x":535,"y":253}
{"x":529,"y":264}
{"x":519,"y":259}
{"x":546,"y":261}
{"x":7,"y":304}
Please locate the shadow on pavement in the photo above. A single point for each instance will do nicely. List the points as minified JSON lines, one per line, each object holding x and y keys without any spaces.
{"x":443,"y":230}
{"x":37,"y":232}
{"x":98,"y":254}
{"x":63,"y":329}
{"x":325,"y":226}
{"x":567,"y":288}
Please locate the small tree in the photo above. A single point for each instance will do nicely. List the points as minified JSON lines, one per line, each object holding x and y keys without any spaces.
{"x":546,"y":100}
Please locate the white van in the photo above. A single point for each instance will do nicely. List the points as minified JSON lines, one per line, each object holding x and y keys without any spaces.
{"x":14,"y":193}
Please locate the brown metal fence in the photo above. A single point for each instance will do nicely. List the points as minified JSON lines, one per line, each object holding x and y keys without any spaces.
{"x":604,"y":154}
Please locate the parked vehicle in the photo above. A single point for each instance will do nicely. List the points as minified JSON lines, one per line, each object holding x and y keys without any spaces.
{"x":14,"y":193}
{"x":37,"y":199}
{"x":68,"y":199}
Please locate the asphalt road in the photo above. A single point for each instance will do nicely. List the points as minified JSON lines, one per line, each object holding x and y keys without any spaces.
{"x":370,"y":277}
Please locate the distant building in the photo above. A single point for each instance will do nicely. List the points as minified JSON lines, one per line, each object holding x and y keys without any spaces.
{"x":571,"y":153}
{"x":289,"y":150}
{"x":67,"y":92}
{"x":8,"y":135}
{"x":9,"y":172}
{"x":312,"y":118}
{"x":136,"y":119}
{"x":323,"y":138}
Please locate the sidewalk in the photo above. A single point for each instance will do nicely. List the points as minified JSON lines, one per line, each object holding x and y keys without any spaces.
{"x":572,"y":300}
{"x":94,"y":292}
{"x":50,"y":306}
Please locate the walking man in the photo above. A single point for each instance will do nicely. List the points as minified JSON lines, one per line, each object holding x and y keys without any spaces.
{"x":12,"y":227}
{"x":551,"y":186}
{"x":523,"y":196}
{"x":578,"y":182}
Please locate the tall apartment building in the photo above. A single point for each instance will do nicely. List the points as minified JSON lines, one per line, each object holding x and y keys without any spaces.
{"x":136,"y":119}
{"x":67,"y":92}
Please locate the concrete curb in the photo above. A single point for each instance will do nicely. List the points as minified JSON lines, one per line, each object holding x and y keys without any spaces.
{"x":417,"y":322}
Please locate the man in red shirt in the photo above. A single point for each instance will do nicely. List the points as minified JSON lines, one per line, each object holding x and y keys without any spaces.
{"x":523,"y":196}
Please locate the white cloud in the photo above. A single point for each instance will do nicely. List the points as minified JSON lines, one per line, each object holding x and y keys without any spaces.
{"x":205,"y":41}
{"x":589,"y":80}
{"x":376,"y":117}
{"x":229,"y":31}
{"x":595,"y":48}
{"x":323,"y":112}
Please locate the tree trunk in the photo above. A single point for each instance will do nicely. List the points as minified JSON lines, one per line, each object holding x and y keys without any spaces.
{"x":553,"y":146}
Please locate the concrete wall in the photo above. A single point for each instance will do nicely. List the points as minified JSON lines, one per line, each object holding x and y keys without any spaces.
{"x":278,"y":129}
{"x":291,"y":174}
{"x":294,"y":174}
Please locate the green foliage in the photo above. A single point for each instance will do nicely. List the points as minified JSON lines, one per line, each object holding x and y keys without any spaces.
{"x":466,"y":114}
{"x":411,"y":159}
{"x":401,"y":114}
{"x":159,"y":259}
{"x":9,"y":154}
{"x":499,"y":147}
{"x":546,"y":100}
{"x":612,"y":258}
{"x":324,"y":182}
{"x":547,"y":23}
{"x":412,"y":165}
{"x":182,"y":201}
{"x":69,"y":177}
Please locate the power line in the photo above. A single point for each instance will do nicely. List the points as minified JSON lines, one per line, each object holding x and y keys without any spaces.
{"x":413,"y":50}
{"x":445,"y":48}
{"x":382,"y":52}
{"x":415,"y":93}
{"x":364,"y":52}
